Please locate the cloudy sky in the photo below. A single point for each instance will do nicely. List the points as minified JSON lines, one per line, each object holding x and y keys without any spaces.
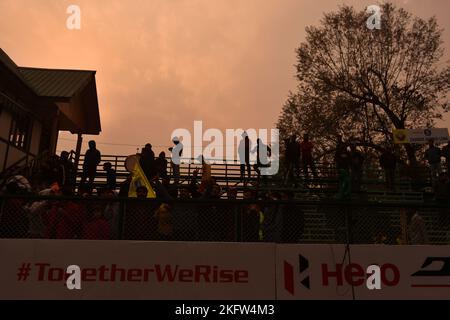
{"x":161,"y":64}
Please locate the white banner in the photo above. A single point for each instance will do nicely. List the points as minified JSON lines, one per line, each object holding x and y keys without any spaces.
{"x":324,"y":272}
{"x":36,"y":269}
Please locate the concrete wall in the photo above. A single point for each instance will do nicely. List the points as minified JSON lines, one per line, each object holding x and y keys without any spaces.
{"x":35,"y":137}
{"x":14,"y":155}
{"x":5,"y":124}
{"x":2,"y":154}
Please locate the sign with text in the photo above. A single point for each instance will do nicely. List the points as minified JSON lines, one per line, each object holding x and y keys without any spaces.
{"x":326,"y":272}
{"x":420,"y":136}
{"x":37,"y":269}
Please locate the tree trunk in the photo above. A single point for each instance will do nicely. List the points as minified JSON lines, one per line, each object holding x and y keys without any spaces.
{"x":411,"y":154}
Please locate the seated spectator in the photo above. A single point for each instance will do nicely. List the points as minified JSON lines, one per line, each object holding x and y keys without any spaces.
{"x":36,"y":213}
{"x":139,"y":222}
{"x":98,"y":228}
{"x":65,"y":218}
{"x":112,"y":214}
{"x":271,"y":220}
{"x":441,"y":188}
{"x":13,"y":222}
{"x":164,"y":231}
{"x":185,"y":217}
{"x":388,"y":163}
{"x":250,"y":218}
{"x":17,"y":185}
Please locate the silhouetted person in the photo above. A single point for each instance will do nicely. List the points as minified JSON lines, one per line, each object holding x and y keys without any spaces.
{"x":263,"y":153}
{"x":92,"y":159}
{"x":147,"y":161}
{"x":307,"y":157}
{"x":446,"y":155}
{"x":66,"y":171}
{"x":356,"y":166}
{"x":433,"y":156}
{"x":110,"y":176}
{"x":177,"y":152}
{"x":341,"y":156}
{"x":388,"y":163}
{"x":161,"y":166}
{"x":244,"y":155}
{"x":292,"y":158}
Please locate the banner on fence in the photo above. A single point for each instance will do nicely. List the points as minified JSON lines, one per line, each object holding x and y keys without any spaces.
{"x":36,"y":269}
{"x":330,"y":272}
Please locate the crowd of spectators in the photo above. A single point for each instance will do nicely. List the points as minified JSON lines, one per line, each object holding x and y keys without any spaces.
{"x":90,"y":211}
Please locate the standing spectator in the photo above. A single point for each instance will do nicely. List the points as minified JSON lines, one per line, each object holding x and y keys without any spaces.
{"x":307,"y":157}
{"x":177,"y":152}
{"x":147,"y":161}
{"x":341,"y":156}
{"x":263,"y":152}
{"x":292,"y":158}
{"x":433,"y":156}
{"x":388,"y":163}
{"x":356,"y":166}
{"x":110,"y":176}
{"x":161,"y":166}
{"x":92,"y":159}
{"x":244,"y":155}
{"x":342,"y":159}
{"x":417,"y":229}
{"x":66,"y":171}
{"x":446,"y":155}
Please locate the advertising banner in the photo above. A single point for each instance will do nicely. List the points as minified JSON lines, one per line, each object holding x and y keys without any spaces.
{"x":36,"y":269}
{"x":332,"y":272}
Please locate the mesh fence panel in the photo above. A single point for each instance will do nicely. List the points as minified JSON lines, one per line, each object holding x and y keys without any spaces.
{"x":223,"y":221}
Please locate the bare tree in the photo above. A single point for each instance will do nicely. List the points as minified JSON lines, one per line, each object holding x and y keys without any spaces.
{"x":363,"y":83}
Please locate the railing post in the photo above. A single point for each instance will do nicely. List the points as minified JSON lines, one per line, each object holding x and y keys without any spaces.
{"x":237,"y":223}
{"x":121,"y":219}
{"x":226,"y":172}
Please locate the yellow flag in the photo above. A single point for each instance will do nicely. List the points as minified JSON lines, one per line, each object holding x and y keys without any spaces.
{"x":140,"y":179}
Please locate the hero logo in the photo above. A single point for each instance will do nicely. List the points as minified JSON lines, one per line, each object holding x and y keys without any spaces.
{"x":444,"y":271}
{"x":352,"y":274}
{"x":303,"y":265}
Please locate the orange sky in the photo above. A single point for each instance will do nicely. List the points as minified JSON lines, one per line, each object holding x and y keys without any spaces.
{"x":161,"y":64}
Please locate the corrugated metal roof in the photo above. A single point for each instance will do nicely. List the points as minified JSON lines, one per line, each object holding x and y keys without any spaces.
{"x":10,"y":64}
{"x":54,"y":82}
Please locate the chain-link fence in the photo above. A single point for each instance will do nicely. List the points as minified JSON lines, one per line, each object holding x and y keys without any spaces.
{"x":320,"y":221}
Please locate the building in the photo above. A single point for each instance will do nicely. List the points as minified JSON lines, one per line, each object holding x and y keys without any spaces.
{"x":35,"y":104}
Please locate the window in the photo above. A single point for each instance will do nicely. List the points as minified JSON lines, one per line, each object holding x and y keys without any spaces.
{"x":20,"y":131}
